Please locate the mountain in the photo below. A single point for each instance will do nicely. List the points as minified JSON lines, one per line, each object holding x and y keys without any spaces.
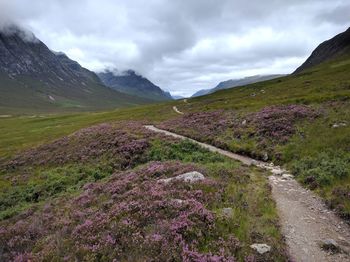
{"x":332,"y":48}
{"x":35,"y":79}
{"x":236,"y":82}
{"x":129,"y":82}
{"x":178,"y":97}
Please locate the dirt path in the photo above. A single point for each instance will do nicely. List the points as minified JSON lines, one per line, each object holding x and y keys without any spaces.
{"x":306,"y":222}
{"x":177,"y":110}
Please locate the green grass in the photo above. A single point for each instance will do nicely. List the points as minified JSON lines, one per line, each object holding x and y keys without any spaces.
{"x":21,"y":132}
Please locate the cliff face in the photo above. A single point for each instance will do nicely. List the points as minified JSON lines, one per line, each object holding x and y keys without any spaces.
{"x":21,"y":53}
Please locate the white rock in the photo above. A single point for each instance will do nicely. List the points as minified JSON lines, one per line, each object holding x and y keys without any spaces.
{"x":261,"y":248}
{"x":178,"y":201}
{"x":266,"y":157}
{"x":187,"y":177}
{"x":287,"y":176}
{"x":336,"y":125}
{"x":227,"y":212}
{"x":277,"y":171}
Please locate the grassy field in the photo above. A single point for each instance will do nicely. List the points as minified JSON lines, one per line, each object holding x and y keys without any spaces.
{"x":22,"y":132}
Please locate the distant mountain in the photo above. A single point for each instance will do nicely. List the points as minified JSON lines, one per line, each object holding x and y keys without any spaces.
{"x":236,"y":82}
{"x":129,"y":82}
{"x":34,"y":78}
{"x":328,"y":50}
{"x":178,"y":97}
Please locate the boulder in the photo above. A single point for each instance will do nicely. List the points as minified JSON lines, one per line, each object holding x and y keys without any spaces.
{"x":189,"y":177}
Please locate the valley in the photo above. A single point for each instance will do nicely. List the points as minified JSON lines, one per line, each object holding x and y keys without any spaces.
{"x":109,"y":167}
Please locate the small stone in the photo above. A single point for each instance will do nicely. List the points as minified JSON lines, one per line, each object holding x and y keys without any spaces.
{"x":336,"y":125}
{"x":287,"y":176}
{"x":227,"y":212}
{"x":178,"y":201}
{"x":330,"y":245}
{"x":261,"y":248}
{"x":266,"y":157}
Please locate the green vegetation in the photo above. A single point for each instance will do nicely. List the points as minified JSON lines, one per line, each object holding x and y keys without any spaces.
{"x":301,"y":121}
{"x":69,"y":187}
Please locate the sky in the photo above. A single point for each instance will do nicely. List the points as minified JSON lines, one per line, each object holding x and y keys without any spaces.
{"x":182,"y":45}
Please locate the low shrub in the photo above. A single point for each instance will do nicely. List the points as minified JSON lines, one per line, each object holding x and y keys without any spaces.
{"x":325,"y":168}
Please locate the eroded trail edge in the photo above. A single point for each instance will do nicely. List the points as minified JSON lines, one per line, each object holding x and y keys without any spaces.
{"x":306,"y":222}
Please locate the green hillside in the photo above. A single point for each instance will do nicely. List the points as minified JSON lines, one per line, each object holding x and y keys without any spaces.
{"x":29,"y":96}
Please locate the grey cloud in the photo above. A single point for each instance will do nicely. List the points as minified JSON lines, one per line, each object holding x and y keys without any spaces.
{"x":182,"y":45}
{"x":338,"y":14}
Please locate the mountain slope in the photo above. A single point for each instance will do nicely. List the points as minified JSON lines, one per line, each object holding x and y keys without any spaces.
{"x":236,"y":82}
{"x":130,"y":82}
{"x":35,"y":79}
{"x":338,"y":45}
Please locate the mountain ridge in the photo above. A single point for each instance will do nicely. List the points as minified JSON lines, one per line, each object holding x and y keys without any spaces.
{"x":327,"y":50}
{"x":132,"y":83}
{"x":34,"y":78}
{"x":235,"y":83}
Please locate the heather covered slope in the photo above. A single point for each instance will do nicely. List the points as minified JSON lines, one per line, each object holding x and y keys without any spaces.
{"x":97,"y":195}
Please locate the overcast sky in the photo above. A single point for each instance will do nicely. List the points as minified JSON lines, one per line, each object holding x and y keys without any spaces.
{"x":183,"y":45}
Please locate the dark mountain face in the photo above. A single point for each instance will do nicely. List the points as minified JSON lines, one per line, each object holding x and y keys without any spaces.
{"x":235,"y":83}
{"x":130,"y":82}
{"x":328,"y":50}
{"x":21,"y":55}
{"x":34,"y":77}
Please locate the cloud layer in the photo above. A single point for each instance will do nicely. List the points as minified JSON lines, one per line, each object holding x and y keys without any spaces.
{"x":182,"y":45}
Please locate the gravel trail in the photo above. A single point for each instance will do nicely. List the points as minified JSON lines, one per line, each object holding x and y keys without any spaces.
{"x":305,"y":220}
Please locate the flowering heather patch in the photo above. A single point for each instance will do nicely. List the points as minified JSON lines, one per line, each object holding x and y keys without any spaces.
{"x":203,"y":126}
{"x":129,"y":217}
{"x":278,"y":122}
{"x":251,"y":134}
{"x":125,"y":143}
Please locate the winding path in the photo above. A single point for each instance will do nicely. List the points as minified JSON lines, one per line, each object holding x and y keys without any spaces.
{"x":177,"y":110}
{"x":304,"y":218}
